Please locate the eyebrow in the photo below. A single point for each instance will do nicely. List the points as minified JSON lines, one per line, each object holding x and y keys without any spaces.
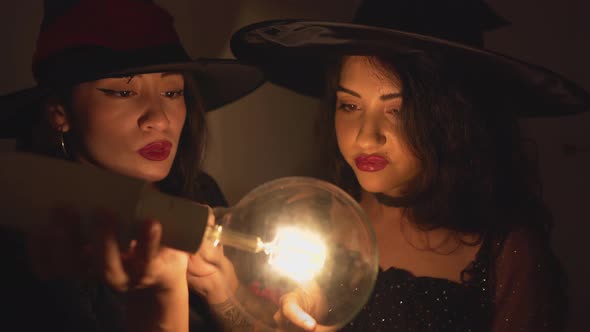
{"x":356,"y":94}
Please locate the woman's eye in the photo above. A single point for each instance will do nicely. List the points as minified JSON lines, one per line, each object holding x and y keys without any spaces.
{"x":347,"y":107}
{"x":393,"y":111}
{"x":125,"y":93}
{"x":173,"y":94}
{"x":118,"y":93}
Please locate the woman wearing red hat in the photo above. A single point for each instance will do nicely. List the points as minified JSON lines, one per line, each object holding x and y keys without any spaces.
{"x":115,"y":90}
{"x":421,"y":128}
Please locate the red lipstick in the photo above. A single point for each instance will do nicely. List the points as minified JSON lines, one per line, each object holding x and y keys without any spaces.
{"x":156,"y":151}
{"x":370,"y":163}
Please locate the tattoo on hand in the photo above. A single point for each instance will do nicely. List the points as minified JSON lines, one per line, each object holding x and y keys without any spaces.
{"x":231,"y":316}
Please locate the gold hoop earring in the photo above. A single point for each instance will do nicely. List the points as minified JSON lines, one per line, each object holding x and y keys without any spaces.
{"x":63,"y":144}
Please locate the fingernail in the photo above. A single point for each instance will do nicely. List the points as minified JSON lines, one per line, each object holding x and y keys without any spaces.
{"x":154,"y":227}
{"x":309,"y":323}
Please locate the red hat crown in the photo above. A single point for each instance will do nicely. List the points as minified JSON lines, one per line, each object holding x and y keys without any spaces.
{"x":105,"y":36}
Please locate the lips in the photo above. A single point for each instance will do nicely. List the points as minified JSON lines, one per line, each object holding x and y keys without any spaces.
{"x":156,"y":151}
{"x":370,"y":163}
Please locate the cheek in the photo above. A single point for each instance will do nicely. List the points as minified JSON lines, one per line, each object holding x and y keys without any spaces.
{"x":111,"y":123}
{"x":410,"y":165}
{"x":102,"y":129}
{"x":179,"y":119}
{"x":415,"y":167}
{"x":177,"y":115}
{"x":345,"y":132}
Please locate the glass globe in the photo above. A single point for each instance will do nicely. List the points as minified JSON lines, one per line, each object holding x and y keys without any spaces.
{"x":303,"y":236}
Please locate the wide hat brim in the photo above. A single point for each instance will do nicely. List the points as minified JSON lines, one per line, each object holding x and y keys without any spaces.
{"x":221,"y":81}
{"x":294,"y":54}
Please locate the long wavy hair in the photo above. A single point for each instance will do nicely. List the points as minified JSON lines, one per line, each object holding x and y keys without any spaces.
{"x":183,"y":176}
{"x":459,"y":124}
{"x":182,"y":180}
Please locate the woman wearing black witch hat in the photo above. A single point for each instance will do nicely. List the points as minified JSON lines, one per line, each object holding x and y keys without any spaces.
{"x":115,"y":90}
{"x":420,"y":126}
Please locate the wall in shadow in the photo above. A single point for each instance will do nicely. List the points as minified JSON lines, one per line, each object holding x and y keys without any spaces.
{"x":19,"y":27}
{"x":555,"y":34}
{"x":268,"y":134}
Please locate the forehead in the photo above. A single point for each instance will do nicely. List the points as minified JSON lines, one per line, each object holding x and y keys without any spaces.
{"x":365,"y":70}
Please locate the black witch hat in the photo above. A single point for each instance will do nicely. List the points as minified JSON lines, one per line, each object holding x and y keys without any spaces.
{"x":294,"y":53}
{"x":86,"y":40}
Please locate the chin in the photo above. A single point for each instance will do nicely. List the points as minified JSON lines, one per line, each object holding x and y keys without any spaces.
{"x":371,"y":183}
{"x":149,"y":174}
{"x":154,"y":172}
{"x":376,"y":183}
{"x":155,"y":176}
{"x":373,"y":189}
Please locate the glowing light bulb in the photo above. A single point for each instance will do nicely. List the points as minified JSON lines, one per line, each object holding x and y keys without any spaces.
{"x":297,"y":253}
{"x":300,"y":234}
{"x":294,"y":253}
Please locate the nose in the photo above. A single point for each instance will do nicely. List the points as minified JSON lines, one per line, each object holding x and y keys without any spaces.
{"x":370,"y":133}
{"x":154,"y":116}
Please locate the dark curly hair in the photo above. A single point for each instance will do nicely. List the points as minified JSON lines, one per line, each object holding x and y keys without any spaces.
{"x":458,"y":122}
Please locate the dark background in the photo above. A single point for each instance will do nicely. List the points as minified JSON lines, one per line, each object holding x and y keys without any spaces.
{"x":268,"y":134}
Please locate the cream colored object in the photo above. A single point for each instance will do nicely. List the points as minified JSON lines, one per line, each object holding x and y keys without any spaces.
{"x":33,"y":186}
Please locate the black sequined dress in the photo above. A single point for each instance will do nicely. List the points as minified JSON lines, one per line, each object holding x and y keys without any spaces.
{"x":404,"y":302}
{"x":515,"y":283}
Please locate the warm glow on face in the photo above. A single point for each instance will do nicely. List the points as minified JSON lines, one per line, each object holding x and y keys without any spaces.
{"x":117,"y":117}
{"x":367,"y":122}
{"x":297,"y":254}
